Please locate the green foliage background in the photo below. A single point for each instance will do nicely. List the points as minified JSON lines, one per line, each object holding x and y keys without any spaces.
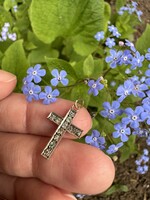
{"x":60,"y":34}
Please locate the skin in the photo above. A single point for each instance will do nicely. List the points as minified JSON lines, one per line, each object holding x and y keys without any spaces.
{"x":24,"y":132}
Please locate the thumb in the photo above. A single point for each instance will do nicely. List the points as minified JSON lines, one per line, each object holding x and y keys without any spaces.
{"x":7,"y":83}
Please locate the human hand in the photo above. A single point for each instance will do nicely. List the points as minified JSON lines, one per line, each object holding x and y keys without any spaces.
{"x":24,"y":132}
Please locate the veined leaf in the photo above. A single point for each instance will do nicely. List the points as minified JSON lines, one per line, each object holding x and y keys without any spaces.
{"x":143,"y":43}
{"x":15,"y":61}
{"x":77,"y":19}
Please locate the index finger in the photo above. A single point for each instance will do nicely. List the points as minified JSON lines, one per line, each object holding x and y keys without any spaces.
{"x":19,"y":116}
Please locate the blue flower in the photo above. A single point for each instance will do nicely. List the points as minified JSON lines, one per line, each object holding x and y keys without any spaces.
{"x":96,"y":140}
{"x":114,"y":58}
{"x":114,"y":148}
{"x":121,"y":131}
{"x":110,"y":42}
{"x":35,"y":73}
{"x":126,"y":58}
{"x":139,"y":13}
{"x":125,"y":90}
{"x":142,"y":169}
{"x":133,"y":117}
{"x":131,"y":45}
{"x":145,"y":116}
{"x":111,"y":111}
{"x":148,"y":141}
{"x":147,"y":80}
{"x":114,"y":31}
{"x":127,"y":71}
{"x":146,"y":100}
{"x":49,"y":96}
{"x":59,"y":77}
{"x":137,"y":61}
{"x":142,"y":161}
{"x":95,"y":86}
{"x":25,"y":83}
{"x":31,"y":91}
{"x":147,"y":56}
{"x":122,"y":9}
{"x":99,"y":36}
{"x":145,"y":152}
{"x":138,"y":89}
{"x":140,"y":132}
{"x":134,"y":4}
{"x":131,"y":8}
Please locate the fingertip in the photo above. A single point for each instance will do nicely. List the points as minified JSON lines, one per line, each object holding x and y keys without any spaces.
{"x":7,"y":83}
{"x":96,"y":174}
{"x":83,"y":120}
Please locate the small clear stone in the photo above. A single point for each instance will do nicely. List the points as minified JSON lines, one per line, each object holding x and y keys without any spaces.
{"x":56,"y":137}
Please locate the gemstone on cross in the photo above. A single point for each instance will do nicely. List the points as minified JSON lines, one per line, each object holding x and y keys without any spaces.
{"x":64,"y":125}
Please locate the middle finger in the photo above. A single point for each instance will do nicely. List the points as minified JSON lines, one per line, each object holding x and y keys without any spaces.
{"x":73,"y":167}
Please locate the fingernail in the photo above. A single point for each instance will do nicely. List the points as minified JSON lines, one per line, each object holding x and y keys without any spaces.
{"x":6,"y":77}
{"x":70,"y":196}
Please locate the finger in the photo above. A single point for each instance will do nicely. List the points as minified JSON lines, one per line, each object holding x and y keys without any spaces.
{"x":7,"y":83}
{"x":19,"y":116}
{"x":13,"y":188}
{"x":73,"y":167}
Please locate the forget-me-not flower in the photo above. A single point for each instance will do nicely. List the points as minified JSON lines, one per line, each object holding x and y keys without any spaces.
{"x":142,"y":161}
{"x":114,"y":31}
{"x":111,"y":111}
{"x":131,"y":45}
{"x":133,"y":116}
{"x":114,"y":148}
{"x":148,"y":141}
{"x":137,"y":60}
{"x":96,"y":140}
{"x":59,"y":77}
{"x":122,"y":131}
{"x":126,"y":58}
{"x":114,"y":58}
{"x":95,"y":86}
{"x":32,"y":91}
{"x":49,"y":96}
{"x":138,"y":89}
{"x":146,"y":100}
{"x":145,"y":116}
{"x":99,"y":36}
{"x":147,"y":56}
{"x":125,"y":90}
{"x":147,"y":80}
{"x":110,"y":42}
{"x":35,"y":73}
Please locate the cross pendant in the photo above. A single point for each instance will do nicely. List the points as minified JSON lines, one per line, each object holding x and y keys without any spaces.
{"x":64,"y":125}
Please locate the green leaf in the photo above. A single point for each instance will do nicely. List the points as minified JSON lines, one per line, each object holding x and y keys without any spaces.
{"x":107,"y":14}
{"x":8,"y":4}
{"x":61,"y":65}
{"x":79,"y":20}
{"x":120,"y":3}
{"x":4,"y":17}
{"x":38,"y":55}
{"x":15,"y":61}
{"x":116,"y":188}
{"x":80,"y":91}
{"x":88,"y":66}
{"x":143,"y":43}
{"x":128,"y":149}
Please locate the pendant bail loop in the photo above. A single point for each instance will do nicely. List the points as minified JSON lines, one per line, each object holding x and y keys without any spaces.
{"x":78,"y":104}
